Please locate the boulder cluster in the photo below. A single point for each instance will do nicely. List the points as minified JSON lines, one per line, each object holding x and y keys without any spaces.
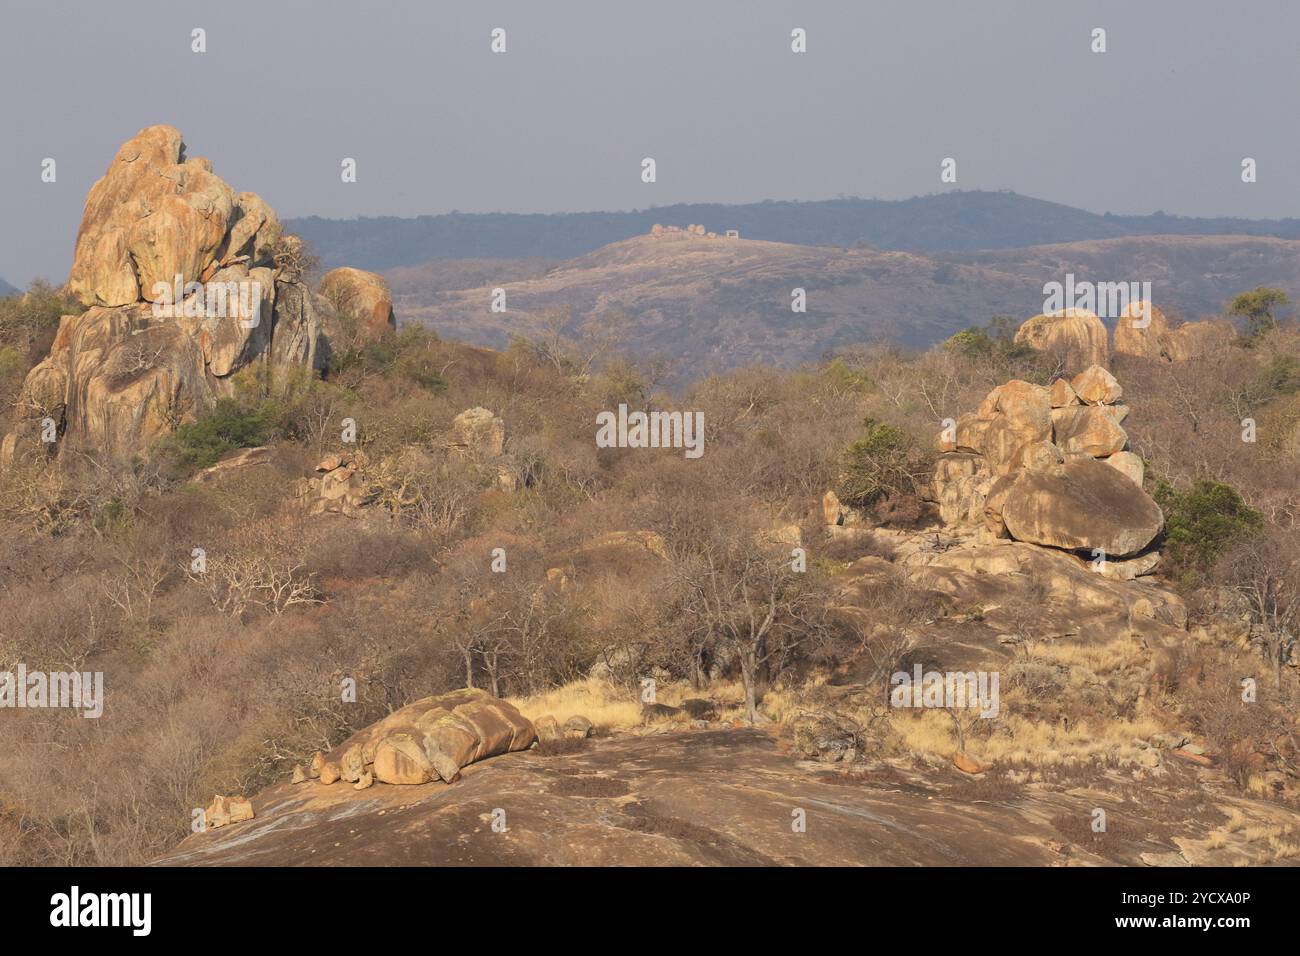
{"x":348,"y":482}
{"x":431,"y":739}
{"x":1080,"y":339}
{"x":338,"y":486}
{"x":660,"y":231}
{"x":550,"y":730}
{"x":1050,"y":466}
{"x":1148,"y":335}
{"x":185,"y":282}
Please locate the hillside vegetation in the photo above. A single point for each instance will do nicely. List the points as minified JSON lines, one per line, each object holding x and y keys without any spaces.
{"x":621,"y":563}
{"x":709,"y":305}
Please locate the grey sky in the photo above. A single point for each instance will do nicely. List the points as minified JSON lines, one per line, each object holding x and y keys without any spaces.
{"x":709,"y":88}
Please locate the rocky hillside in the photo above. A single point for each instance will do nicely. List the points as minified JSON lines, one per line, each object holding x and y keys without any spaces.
{"x":1044,"y":527}
{"x":713,"y":304}
{"x":725,"y":797}
{"x":356,"y":593}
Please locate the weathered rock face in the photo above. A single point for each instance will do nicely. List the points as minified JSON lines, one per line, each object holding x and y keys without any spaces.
{"x":1141,"y":330}
{"x":338,"y":487}
{"x":1076,"y":335}
{"x":183,"y":288}
{"x":428,"y":740}
{"x":1082,"y":504}
{"x":1157,"y":341}
{"x":363,"y":295}
{"x":478,"y":434}
{"x":152,"y":216}
{"x":1088,"y":430}
{"x":1049,"y":466}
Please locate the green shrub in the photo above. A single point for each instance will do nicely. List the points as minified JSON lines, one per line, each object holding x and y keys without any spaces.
{"x":28,"y":320}
{"x":997,"y":340}
{"x":846,"y":379}
{"x":228,"y":426}
{"x":971,"y":342}
{"x":1201,"y":523}
{"x":1281,"y":376}
{"x":1258,"y":307}
{"x":878,"y":465}
{"x":413,"y":354}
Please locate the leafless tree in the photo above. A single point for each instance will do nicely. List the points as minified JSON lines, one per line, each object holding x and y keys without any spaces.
{"x":1265,"y":571}
{"x":743,"y":596}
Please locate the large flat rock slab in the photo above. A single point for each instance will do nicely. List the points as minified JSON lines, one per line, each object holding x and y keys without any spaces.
{"x":722,"y":797}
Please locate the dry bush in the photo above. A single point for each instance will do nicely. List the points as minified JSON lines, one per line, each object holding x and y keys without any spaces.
{"x":403,"y":601}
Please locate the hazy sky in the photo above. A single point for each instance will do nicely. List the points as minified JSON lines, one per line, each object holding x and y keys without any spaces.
{"x":709,"y":88}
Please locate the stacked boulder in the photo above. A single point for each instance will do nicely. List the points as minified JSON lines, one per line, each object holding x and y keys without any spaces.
{"x":1143,"y":331}
{"x":1049,"y":466}
{"x":141,"y":358}
{"x":431,"y":739}
{"x":339,"y":487}
{"x":1076,"y":336}
{"x":184,"y":283}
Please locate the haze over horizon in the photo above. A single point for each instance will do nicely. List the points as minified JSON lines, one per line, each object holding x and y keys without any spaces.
{"x":562,"y":120}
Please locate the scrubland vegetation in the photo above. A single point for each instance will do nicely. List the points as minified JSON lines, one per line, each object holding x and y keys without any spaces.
{"x":221,"y":681}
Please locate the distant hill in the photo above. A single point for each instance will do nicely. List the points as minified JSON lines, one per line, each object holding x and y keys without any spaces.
{"x":6,"y":288}
{"x":947,"y":222}
{"x":713,"y":304}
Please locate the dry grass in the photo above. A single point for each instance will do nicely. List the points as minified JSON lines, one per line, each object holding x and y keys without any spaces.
{"x":1252,"y":834}
{"x":1024,"y":741}
{"x":605,"y":705}
{"x":1120,"y":654}
{"x":613,"y":707}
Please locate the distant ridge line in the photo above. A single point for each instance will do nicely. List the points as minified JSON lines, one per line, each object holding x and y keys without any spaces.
{"x":959,"y":221}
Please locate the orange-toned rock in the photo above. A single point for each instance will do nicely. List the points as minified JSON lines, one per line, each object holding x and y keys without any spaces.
{"x":1142,"y":331}
{"x":362,"y":295}
{"x":224,"y":811}
{"x":1077,"y":336}
{"x":1196,"y":339}
{"x":1087,"y":430}
{"x":1157,"y":341}
{"x":1203,"y":760}
{"x":430,"y":739}
{"x":967,"y":764}
{"x":1096,"y":386}
{"x":1084,"y":505}
{"x":400,"y":759}
{"x":1062,"y":394}
{"x":123,"y":373}
{"x":1128,"y":464}
{"x":151,"y":217}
